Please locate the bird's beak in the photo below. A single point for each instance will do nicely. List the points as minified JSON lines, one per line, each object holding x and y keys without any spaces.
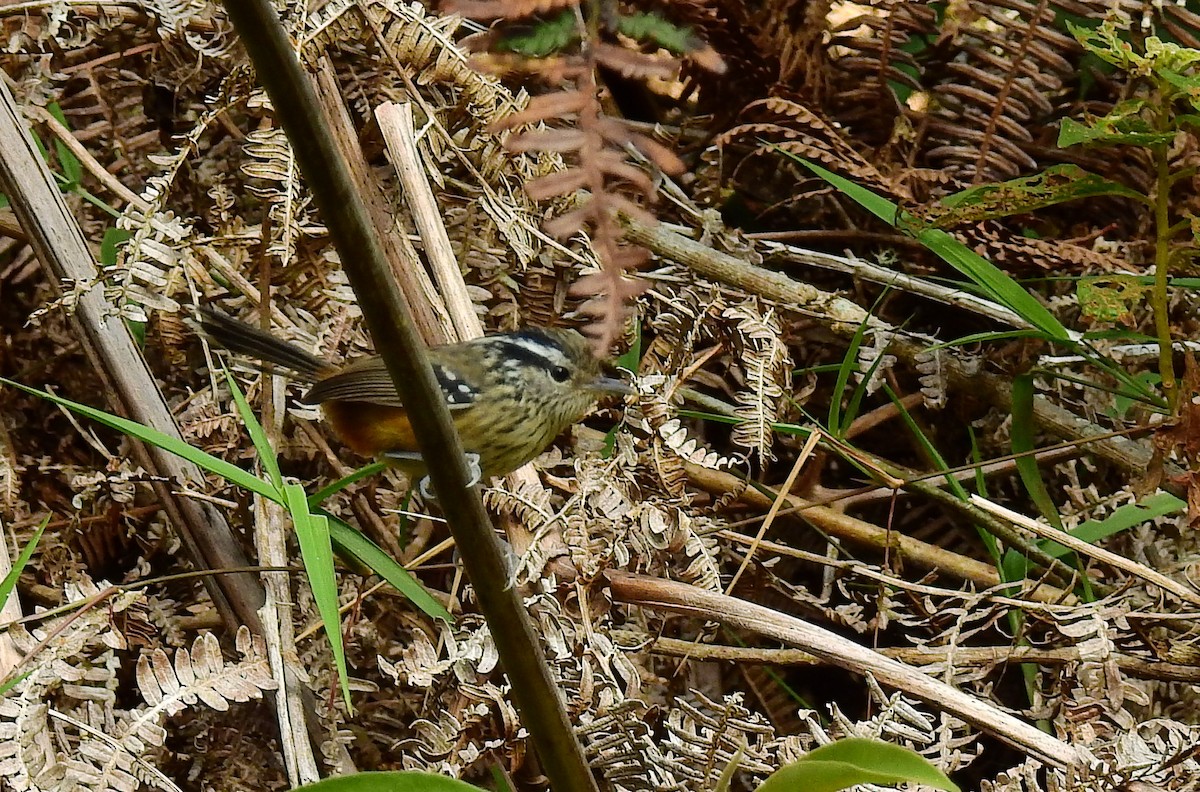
{"x":612,"y":385}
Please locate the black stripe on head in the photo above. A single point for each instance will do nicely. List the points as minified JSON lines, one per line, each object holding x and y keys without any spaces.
{"x":535,"y":348}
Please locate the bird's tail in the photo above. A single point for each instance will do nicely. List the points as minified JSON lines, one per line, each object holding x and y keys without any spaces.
{"x":228,"y":333}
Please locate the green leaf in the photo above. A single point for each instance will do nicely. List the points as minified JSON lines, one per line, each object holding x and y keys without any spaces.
{"x":540,"y":38}
{"x":653,"y":28}
{"x":327,"y":492}
{"x":855,"y":761}
{"x":312,"y":532}
{"x":1022,"y":436}
{"x":993,"y":281}
{"x":1108,"y":131}
{"x":1055,"y":185}
{"x":390,"y":781}
{"x":10,"y":580}
{"x":266,"y":454}
{"x":226,"y":470}
{"x":110,"y":245}
{"x":1112,"y":298}
{"x":72,"y":168}
{"x":1122,"y":519}
{"x":367,"y":552}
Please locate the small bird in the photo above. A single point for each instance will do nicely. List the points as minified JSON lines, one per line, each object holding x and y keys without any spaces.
{"x":510,"y":394}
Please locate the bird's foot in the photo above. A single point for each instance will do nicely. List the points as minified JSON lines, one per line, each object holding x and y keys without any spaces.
{"x":425,"y":487}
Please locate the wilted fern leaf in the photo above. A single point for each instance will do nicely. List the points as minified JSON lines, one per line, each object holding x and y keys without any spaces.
{"x":202,"y":675}
{"x":764,"y":358}
{"x":676,"y":437}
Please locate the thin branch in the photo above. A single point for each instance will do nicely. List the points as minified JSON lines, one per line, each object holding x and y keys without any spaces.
{"x":958,"y":656}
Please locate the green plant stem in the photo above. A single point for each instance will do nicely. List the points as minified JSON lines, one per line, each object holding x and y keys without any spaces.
{"x":1159,"y":298}
{"x":344,"y":211}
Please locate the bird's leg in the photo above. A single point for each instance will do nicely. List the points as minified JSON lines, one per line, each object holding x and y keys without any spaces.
{"x":407,"y":459}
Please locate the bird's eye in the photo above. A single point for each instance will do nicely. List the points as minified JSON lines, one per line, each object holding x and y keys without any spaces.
{"x":560,"y":374}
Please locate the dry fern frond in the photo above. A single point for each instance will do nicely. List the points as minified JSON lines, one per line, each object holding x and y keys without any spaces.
{"x":871,"y":50}
{"x":201,"y":675}
{"x":764,"y":358}
{"x":703,"y":737}
{"x":676,"y":437}
{"x":788,"y":126}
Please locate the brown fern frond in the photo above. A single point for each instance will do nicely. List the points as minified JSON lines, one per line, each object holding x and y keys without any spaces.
{"x":874,"y":52}
{"x":629,"y":63}
{"x":559,"y":141}
{"x":559,"y":104}
{"x":795,"y":129}
{"x":553,"y":185}
{"x":617,"y":133}
{"x":596,"y":142}
{"x":504,"y":9}
{"x":1007,"y":76}
{"x":612,"y":165}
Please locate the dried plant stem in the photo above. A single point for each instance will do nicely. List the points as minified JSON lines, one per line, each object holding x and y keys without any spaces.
{"x":88,"y":161}
{"x":329,"y":177}
{"x":396,"y":126}
{"x":1141,"y":571}
{"x":948,"y":295}
{"x":429,"y":314}
{"x":273,"y":530}
{"x":709,"y":605}
{"x":957,"y":656}
{"x":843,"y":526}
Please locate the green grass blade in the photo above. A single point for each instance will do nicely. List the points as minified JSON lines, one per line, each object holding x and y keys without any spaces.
{"x":10,"y":580}
{"x":226,"y":470}
{"x":12,"y":683}
{"x":312,"y":532}
{"x":923,"y":440}
{"x":367,"y":552}
{"x":849,"y":364}
{"x":1122,"y":519}
{"x":995,"y":282}
{"x":1021,"y":435}
{"x":327,"y":492}
{"x":266,"y":454}
{"x":998,"y":285}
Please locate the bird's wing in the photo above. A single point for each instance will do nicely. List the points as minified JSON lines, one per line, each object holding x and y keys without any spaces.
{"x":367,"y":380}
